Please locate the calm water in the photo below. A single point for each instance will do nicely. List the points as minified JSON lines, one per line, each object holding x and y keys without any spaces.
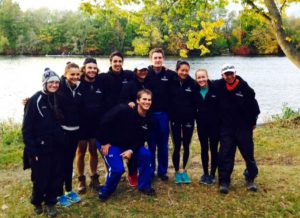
{"x":275,"y":79}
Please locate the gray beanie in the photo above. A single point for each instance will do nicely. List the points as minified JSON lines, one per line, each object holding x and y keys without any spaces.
{"x":49,"y":76}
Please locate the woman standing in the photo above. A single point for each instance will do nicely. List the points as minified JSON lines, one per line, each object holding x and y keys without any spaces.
{"x":43,"y":138}
{"x":182,"y":114}
{"x":70,"y":98}
{"x":207,"y":124}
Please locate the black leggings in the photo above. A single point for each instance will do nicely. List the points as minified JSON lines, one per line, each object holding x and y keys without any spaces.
{"x":181,"y":133}
{"x":208,"y":140}
{"x":68,"y":156}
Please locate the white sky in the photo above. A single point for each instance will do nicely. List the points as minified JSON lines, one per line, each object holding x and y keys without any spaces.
{"x":73,"y":5}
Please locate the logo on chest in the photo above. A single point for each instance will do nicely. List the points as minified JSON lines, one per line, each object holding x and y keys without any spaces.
{"x":239,"y":94}
{"x":188,"y":89}
{"x":164,"y":79}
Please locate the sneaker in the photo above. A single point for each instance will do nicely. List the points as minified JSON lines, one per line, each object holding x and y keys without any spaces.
{"x":81,"y":185}
{"x":73,"y":197}
{"x":95,"y":184}
{"x":251,"y":186}
{"x":149,"y":191}
{"x":51,"y":211}
{"x":212,"y":179}
{"x":38,"y":209}
{"x":206,"y":180}
{"x":132,"y":180}
{"x":163,"y":178}
{"x":102,"y":197}
{"x":224,"y":189}
{"x":63,"y":201}
{"x":178,"y":178}
{"x":185,"y":177}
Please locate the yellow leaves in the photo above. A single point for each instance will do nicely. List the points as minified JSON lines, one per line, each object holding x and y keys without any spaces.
{"x":141,"y":46}
{"x":289,"y":39}
{"x":183,"y":53}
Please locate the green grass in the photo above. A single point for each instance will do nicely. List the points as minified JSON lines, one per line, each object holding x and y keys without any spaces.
{"x":277,"y":152}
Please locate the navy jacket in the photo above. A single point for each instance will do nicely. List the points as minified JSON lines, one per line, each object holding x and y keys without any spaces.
{"x":182,"y":100}
{"x":42,"y":133}
{"x":207,"y":109}
{"x":124,"y":127}
{"x":92,"y":104}
{"x":70,"y":101}
{"x":237,"y":108}
{"x":159,"y":85}
{"x":130,"y":90}
{"x":112,"y":86}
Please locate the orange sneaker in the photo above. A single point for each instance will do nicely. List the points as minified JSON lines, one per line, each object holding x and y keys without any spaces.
{"x":132,"y":180}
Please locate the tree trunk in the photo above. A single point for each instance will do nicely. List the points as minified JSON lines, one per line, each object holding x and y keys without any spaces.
{"x":276,"y":22}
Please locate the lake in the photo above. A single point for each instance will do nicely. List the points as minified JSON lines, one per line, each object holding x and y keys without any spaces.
{"x":275,"y":79}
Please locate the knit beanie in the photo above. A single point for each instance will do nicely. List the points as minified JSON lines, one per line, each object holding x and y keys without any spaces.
{"x":49,"y":76}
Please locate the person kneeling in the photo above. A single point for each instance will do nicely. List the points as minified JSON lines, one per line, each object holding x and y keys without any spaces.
{"x":123,"y":133}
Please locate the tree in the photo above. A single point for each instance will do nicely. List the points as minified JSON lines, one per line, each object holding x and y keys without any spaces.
{"x":274,"y":16}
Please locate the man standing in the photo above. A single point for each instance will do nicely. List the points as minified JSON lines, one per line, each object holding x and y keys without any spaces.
{"x":123,"y":135}
{"x":238,"y":111}
{"x":159,"y":83}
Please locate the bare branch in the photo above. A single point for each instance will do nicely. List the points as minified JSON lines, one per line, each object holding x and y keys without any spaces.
{"x":258,"y":10}
{"x":282,"y":6}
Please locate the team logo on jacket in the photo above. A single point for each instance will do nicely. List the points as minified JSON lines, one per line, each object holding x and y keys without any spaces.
{"x":98,"y":91}
{"x":188,"y":125}
{"x":125,"y":81}
{"x":145,"y":127}
{"x":44,"y":107}
{"x":239,"y":94}
{"x":188,"y":89}
{"x":164,"y":79}
{"x":78,"y":93}
{"x":213,"y":96}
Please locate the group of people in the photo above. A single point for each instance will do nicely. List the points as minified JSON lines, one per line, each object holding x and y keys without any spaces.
{"x":127,"y":116}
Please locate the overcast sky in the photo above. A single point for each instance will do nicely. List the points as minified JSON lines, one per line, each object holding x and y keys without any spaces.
{"x":74,"y":4}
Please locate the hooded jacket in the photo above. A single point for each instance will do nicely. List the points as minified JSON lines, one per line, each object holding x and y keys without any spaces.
{"x":42,"y":133}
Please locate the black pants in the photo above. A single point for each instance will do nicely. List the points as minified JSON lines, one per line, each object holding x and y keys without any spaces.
{"x":45,"y":178}
{"x":209,"y":140}
{"x":68,"y":155}
{"x":230,"y":140}
{"x":181,"y":132}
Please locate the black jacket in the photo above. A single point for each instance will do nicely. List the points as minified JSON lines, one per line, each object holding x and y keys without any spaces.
{"x":182,"y":100}
{"x":207,"y":109}
{"x":112,"y":86}
{"x":130,"y":90}
{"x":124,"y":127}
{"x":237,"y":108}
{"x":159,"y":85}
{"x":42,"y":133}
{"x":92,"y":103}
{"x":70,"y":101}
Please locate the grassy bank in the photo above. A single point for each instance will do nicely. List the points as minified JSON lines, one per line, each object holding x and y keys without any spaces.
{"x":277,"y":153}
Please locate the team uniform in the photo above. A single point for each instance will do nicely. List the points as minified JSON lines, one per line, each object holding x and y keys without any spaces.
{"x":43,"y":138}
{"x":238,"y":110}
{"x":123,"y":128}
{"x":208,"y":123}
{"x":159,"y":85}
{"x":182,"y":116}
{"x":70,"y":100}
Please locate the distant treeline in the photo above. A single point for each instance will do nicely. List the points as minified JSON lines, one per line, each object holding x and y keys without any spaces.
{"x":99,"y":30}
